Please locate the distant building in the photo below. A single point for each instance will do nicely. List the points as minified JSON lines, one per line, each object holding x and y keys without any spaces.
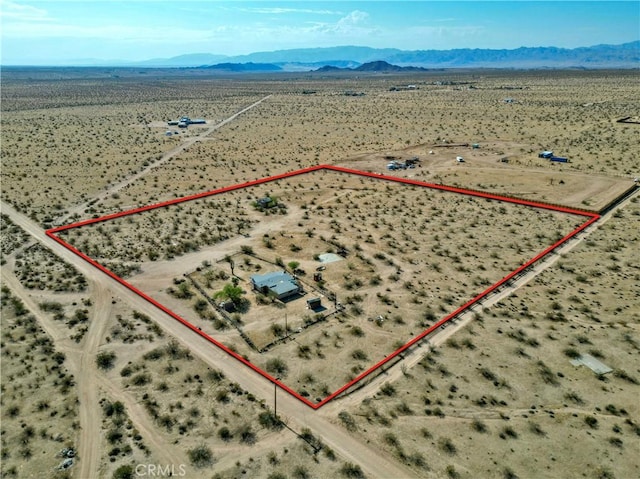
{"x":279,"y":283}
{"x":185,"y":121}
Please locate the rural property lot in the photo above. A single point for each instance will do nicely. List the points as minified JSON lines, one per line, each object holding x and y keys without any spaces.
{"x":383,"y":290}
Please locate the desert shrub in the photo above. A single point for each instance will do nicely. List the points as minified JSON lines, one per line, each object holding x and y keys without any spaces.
{"x":247,"y":435}
{"x":447,"y":446}
{"x":620,"y":373}
{"x":307,"y":436}
{"x":351,"y":470}
{"x":479,"y":426}
{"x":270,"y":420}
{"x":277,"y":366}
{"x":536,"y":429}
{"x":114,"y":436}
{"x":154,"y":354}
{"x":200,"y":456}
{"x":215,"y":375}
{"x":347,"y":421}
{"x":225,"y":434}
{"x":451,"y":472}
{"x":509,"y":474}
{"x":125,"y":471}
{"x":547,"y":375}
{"x":388,"y":389}
{"x":508,"y":431}
{"x":300,"y":472}
{"x":105,"y":360}
{"x":359,"y":354}
{"x":141,"y":379}
{"x":357,"y":331}
{"x":591,"y":421}
{"x":391,"y":439}
{"x":572,"y":353}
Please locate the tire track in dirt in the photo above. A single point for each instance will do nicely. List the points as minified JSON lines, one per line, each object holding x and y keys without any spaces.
{"x":90,"y":413}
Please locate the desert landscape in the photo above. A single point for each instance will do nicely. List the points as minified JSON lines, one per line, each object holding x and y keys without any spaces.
{"x":540,"y":378}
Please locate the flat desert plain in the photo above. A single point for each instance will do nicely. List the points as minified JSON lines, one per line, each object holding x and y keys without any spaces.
{"x":98,"y":382}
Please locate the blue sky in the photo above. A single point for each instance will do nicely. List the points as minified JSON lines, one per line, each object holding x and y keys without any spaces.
{"x":49,"y":32}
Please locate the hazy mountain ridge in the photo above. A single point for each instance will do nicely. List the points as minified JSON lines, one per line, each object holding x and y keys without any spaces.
{"x":599,"y":56}
{"x":626,"y":55}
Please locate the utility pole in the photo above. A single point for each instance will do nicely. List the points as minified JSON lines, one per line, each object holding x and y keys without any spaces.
{"x":286,"y":329}
{"x":275,"y":400}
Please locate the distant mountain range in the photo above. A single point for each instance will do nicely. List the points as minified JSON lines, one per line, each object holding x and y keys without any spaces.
{"x":626,"y":55}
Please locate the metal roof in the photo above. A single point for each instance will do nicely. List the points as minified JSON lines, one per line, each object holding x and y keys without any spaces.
{"x":280,"y":282}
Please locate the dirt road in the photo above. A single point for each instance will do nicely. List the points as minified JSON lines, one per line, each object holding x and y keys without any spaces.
{"x":79,"y":209}
{"x":373,"y":462}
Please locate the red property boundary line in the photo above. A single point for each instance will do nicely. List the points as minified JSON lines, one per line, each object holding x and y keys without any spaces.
{"x":593,"y":217}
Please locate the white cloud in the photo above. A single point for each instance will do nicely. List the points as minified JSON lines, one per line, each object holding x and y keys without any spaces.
{"x":354,"y":18}
{"x":22,"y":13}
{"x":279,"y":11}
{"x":350,"y":25}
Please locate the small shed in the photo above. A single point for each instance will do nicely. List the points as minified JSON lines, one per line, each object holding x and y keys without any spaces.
{"x":592,"y":363}
{"x":228,"y":306}
{"x":266,"y":202}
{"x":314,"y":303}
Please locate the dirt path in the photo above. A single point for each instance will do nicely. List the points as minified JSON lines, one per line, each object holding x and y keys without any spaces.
{"x":90,"y":413}
{"x":79,"y":209}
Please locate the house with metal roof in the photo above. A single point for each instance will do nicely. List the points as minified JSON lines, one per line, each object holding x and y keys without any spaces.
{"x":279,"y":283}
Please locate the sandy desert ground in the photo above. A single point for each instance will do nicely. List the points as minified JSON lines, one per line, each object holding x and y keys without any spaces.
{"x":492,"y":396}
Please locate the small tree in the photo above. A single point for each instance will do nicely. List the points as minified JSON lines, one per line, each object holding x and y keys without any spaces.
{"x":293,"y":265}
{"x":231,"y":293}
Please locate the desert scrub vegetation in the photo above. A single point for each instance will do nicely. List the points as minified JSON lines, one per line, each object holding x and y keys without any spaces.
{"x":11,"y":236}
{"x":134,"y":326}
{"x":76,"y":318}
{"x":388,"y":278}
{"x":517,"y":343}
{"x":163,"y":233}
{"x":296,"y":459}
{"x":122,"y":443}
{"x":38,"y":401}
{"x":38,"y":268}
{"x":191,"y":403}
{"x":106,"y":126}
